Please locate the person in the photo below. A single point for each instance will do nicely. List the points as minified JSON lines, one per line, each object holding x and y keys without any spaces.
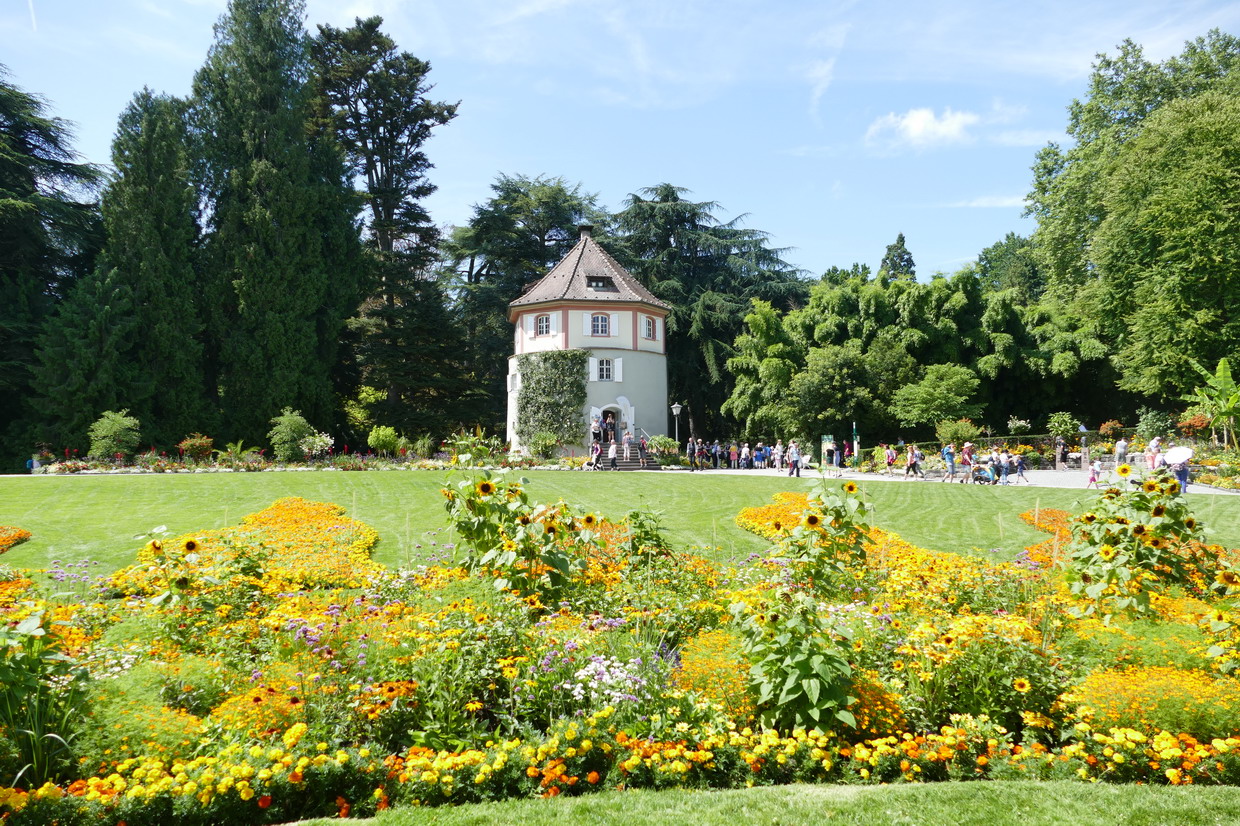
{"x":1095,"y":471}
{"x":703,"y":455}
{"x":777,"y":454}
{"x":848,"y":454}
{"x":733,"y":453}
{"x":628,"y":443}
{"x":643,"y":451}
{"x":745,"y":456}
{"x":33,"y":464}
{"x":609,"y":429}
{"x":611,"y":455}
{"x":794,"y":459}
{"x":596,"y":455}
{"x":890,"y":453}
{"x":1061,"y":453}
{"x":1020,"y":468}
{"x":596,"y":430}
{"x":949,"y":459}
{"x":1005,"y":466}
{"x":967,"y":462}
{"x":1121,"y":451}
{"x":1180,"y":469}
{"x":1153,"y":452}
{"x":910,"y":462}
{"x":839,"y":461}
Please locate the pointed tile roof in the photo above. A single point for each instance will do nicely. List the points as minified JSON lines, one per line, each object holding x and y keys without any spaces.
{"x":587,"y":273}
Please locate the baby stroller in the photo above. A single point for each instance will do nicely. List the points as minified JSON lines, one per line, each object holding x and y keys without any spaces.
{"x":982,"y":475}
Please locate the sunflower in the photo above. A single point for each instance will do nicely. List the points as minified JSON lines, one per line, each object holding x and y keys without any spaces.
{"x":1157,"y":543}
{"x":1113,"y":491}
{"x":589,"y":520}
{"x":1021,"y":684}
{"x":850,"y":487}
{"x":1138,"y":530}
{"x":948,"y":639}
{"x":524,"y":519}
{"x":1172,"y":487}
{"x":1190,"y":523}
{"x":812,"y":520}
{"x":1149,"y":485}
{"x":1228,"y":579}
{"x":549,"y":528}
{"x":1107,"y":552}
{"x":1158,"y":510}
{"x":1124,"y":471}
{"x":155,"y":546}
{"x":776,"y":525}
{"x":1089,"y":517}
{"x":191,"y":545}
{"x":485,"y":488}
{"x":897,"y":665}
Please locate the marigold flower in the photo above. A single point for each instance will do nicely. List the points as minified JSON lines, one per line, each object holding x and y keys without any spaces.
{"x":264,"y":801}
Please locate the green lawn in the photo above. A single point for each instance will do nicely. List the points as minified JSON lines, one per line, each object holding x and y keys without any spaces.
{"x":96,"y":517}
{"x":961,"y":804}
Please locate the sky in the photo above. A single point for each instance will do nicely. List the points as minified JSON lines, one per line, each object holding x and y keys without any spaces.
{"x":831,"y":125}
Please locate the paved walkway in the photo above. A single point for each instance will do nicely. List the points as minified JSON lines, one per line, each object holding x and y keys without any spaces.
{"x":1077,"y":479}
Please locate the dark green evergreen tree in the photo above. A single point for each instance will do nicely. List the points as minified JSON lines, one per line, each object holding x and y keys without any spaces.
{"x":84,"y":359}
{"x":49,"y":235}
{"x":283,"y":260}
{"x":708,"y":271}
{"x":374,"y":99}
{"x":512,"y":240}
{"x":897,"y":262}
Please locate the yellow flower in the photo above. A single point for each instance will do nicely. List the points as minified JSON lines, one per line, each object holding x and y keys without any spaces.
{"x":589,"y":520}
{"x":850,"y":487}
{"x":473,"y":705}
{"x":485,"y":488}
{"x":1021,"y":684}
{"x":812,"y":520}
{"x":1124,"y":471}
{"x":1107,"y":552}
{"x":1150,"y":485}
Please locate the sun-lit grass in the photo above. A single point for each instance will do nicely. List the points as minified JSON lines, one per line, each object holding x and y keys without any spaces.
{"x":97,"y":517}
{"x":962,"y":804}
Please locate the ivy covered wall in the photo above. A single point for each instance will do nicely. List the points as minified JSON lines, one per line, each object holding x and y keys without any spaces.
{"x":552,"y":395}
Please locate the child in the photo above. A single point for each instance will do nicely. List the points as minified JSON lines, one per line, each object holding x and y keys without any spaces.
{"x":1095,"y":470}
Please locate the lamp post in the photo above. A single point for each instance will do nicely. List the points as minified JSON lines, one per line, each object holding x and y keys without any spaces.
{"x":676,"y":408}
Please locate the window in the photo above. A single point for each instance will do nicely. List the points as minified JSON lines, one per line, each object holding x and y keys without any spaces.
{"x":542,"y":325}
{"x":604,"y":369}
{"x":649,"y":327}
{"x":600,"y":325}
{"x":600,"y":282}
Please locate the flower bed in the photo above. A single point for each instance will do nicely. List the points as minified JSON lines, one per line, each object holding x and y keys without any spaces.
{"x":11,"y":536}
{"x":271,"y":671}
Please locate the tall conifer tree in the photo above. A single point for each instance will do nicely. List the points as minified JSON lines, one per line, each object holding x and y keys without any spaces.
{"x":374,"y":99}
{"x":283,"y":254}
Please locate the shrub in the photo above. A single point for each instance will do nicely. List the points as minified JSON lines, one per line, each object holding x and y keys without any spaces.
{"x":956,"y":432}
{"x":114,"y":433}
{"x":316,"y":445}
{"x":383,"y":440}
{"x":424,"y":446}
{"x":197,"y":447}
{"x":544,"y":445}
{"x":1018,"y":426}
{"x":288,"y":429}
{"x":1110,"y":429}
{"x":1195,"y":425}
{"x":663,"y":446}
{"x":1063,"y":424}
{"x":1151,"y":423}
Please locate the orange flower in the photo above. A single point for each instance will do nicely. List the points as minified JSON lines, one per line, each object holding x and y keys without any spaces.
{"x":592,"y":778}
{"x":264,"y":801}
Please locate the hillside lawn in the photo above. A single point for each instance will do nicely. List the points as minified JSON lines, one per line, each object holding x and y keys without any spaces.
{"x":961,"y":804}
{"x":75,"y":518}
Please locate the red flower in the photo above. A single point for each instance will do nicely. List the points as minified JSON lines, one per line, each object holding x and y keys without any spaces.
{"x":264,"y":801}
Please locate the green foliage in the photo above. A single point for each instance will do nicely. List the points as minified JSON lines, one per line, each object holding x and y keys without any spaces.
{"x":709,"y":271}
{"x":897,"y":262}
{"x":662,"y":446}
{"x":544,"y":445}
{"x":373,"y":99}
{"x":553,"y":395}
{"x":197,"y":447}
{"x":40,"y":695}
{"x":1134,"y":542}
{"x":474,"y":447}
{"x":943,"y":393}
{"x":51,"y":234}
{"x":1063,"y":425}
{"x":1152,"y":422}
{"x":956,"y":432}
{"x":114,"y":434}
{"x":514,"y":238}
{"x":286,"y":435}
{"x":283,"y":254}
{"x":424,"y":446}
{"x":1218,"y":397}
{"x":383,"y":440}
{"x":800,"y":673}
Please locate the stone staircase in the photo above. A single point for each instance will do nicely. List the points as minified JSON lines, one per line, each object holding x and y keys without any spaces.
{"x":632,"y":464}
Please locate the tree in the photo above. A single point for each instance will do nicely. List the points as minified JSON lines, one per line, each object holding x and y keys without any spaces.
{"x":524,"y":228}
{"x":1169,"y":242}
{"x":283,"y":253}
{"x":897,"y":262}
{"x":943,"y":393}
{"x":1219,"y":396}
{"x":373,"y":98}
{"x":765,"y":362}
{"x":49,"y":232}
{"x":1010,"y":264}
{"x":707,"y":271}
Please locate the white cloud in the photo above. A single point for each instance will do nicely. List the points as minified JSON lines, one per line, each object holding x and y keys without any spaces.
{"x":991,"y":202}
{"x":819,"y":74}
{"x":922,"y":128}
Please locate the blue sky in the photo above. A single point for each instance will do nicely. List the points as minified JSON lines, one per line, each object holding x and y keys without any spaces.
{"x":832,"y":125}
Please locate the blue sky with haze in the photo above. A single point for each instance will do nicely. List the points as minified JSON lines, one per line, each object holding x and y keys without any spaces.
{"x":833,"y":125}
